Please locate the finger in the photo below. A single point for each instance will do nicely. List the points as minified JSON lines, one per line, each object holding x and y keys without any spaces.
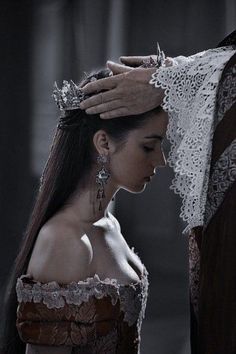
{"x":133,"y":61}
{"x":104,"y":107}
{"x":118,"y":68}
{"x":120,"y":112}
{"x":99,"y":99}
{"x":99,"y":85}
{"x":168,"y":61}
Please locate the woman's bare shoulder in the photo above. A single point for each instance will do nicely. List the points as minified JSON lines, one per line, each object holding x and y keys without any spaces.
{"x":60,"y":253}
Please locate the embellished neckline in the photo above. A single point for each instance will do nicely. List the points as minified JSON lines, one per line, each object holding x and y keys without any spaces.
{"x":132,"y":297}
{"x":89,"y":281}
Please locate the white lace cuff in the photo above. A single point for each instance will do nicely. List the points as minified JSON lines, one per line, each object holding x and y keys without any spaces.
{"x":190,"y":92}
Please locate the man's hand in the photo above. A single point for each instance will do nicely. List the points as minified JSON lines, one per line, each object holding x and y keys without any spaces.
{"x":135,"y":61}
{"x":127,"y":93}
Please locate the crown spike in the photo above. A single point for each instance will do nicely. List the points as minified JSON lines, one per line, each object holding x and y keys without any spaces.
{"x":69,"y":96}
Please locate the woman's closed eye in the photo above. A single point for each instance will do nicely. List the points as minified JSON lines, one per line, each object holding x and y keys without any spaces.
{"x":148,"y":148}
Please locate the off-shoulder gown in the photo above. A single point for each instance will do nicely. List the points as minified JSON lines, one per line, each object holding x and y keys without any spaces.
{"x":92,"y":316}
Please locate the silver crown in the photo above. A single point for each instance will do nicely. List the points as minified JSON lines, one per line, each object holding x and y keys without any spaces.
{"x":160,"y":56}
{"x":70,"y":96}
{"x":153,"y":62}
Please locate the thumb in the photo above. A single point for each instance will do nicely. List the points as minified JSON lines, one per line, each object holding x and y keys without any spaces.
{"x":117,"y":68}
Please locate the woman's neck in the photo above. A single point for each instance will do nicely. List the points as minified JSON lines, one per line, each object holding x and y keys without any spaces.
{"x":85,"y":208}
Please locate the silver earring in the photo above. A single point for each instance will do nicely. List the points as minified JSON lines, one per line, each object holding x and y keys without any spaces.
{"x":102,"y":177}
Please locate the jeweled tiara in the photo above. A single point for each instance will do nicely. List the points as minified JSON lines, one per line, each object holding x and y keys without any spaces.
{"x":155,"y":61}
{"x":69,"y":96}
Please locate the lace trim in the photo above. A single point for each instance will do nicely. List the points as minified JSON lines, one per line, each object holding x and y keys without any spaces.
{"x":223,"y":176}
{"x":132,"y":296}
{"x":132,"y":303}
{"x":190,"y":93}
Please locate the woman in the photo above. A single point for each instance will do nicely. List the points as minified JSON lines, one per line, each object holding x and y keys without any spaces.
{"x":80,"y":288}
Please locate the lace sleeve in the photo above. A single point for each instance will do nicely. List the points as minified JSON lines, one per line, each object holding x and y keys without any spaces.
{"x":190,"y":90}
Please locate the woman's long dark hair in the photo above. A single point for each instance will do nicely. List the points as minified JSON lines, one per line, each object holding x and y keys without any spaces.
{"x":70,"y":160}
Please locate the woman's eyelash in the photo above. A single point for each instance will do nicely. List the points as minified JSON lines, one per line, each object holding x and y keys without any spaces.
{"x":147,"y":148}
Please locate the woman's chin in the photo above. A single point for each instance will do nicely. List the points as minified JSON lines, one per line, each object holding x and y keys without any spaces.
{"x":136,"y":189}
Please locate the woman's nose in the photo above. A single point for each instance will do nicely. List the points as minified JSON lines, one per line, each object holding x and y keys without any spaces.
{"x":160,"y":161}
{"x":163,"y":160}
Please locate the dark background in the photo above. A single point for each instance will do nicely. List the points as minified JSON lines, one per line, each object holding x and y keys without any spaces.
{"x":43,"y":41}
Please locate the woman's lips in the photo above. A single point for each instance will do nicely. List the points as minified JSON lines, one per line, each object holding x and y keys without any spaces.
{"x":149,"y":178}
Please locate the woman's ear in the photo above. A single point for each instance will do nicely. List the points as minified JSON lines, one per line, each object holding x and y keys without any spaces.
{"x":102,"y":142}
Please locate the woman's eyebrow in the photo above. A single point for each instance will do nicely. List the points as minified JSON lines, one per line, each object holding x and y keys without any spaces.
{"x":154,"y":136}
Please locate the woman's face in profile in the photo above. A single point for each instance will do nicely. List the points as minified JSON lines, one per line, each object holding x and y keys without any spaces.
{"x":134,"y":164}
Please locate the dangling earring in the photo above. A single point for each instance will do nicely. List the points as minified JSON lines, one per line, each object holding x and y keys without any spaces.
{"x":102,"y":177}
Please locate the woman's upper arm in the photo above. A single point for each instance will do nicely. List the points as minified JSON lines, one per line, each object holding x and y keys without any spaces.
{"x":43,"y":349}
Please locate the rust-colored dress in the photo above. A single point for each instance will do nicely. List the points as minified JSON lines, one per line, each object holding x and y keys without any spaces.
{"x":93,"y":316}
